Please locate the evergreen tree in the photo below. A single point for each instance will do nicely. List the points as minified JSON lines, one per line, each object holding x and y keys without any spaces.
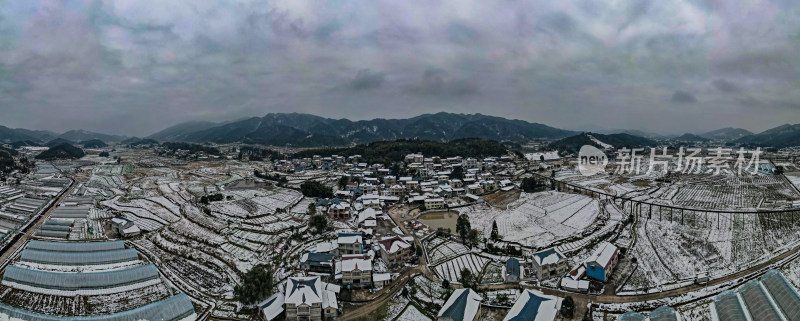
{"x":463,"y":227}
{"x":256,"y":285}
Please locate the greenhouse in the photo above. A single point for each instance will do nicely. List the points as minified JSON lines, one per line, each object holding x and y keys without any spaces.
{"x":784,"y":294}
{"x":632,"y":316}
{"x":79,"y":281}
{"x":771,"y":299}
{"x":758,"y":302}
{"x":727,"y":307}
{"x":76,"y":246}
{"x":664,"y":313}
{"x":53,"y":234}
{"x":174,"y":308}
{"x":79,"y":258}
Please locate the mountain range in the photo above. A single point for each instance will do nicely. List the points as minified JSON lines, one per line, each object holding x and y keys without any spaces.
{"x":308,"y":130}
{"x":781,"y":136}
{"x":305,"y":130}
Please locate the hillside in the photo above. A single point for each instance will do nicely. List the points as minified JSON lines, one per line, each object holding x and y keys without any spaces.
{"x":573,"y":144}
{"x":58,"y":141}
{"x":687,"y":137}
{"x":728,"y":133}
{"x":7,"y":163}
{"x":62,"y":151}
{"x":781,"y":136}
{"x":83,"y":135}
{"x":387,"y":152}
{"x":311,"y":131}
{"x":175,"y":132}
{"x":93,"y":143}
{"x":12,"y":135}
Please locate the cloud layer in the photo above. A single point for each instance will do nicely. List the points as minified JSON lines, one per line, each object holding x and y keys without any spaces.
{"x":136,"y":66}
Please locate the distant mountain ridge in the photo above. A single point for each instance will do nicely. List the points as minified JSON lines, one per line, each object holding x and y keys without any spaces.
{"x":80,"y":135}
{"x":573,"y":144}
{"x":309,"y":130}
{"x":688,"y":137}
{"x":728,"y":133}
{"x":782,"y":136}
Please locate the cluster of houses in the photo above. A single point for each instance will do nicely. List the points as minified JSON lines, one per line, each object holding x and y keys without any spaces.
{"x":432,"y":182}
{"x":465,"y":305}
{"x":352,"y":261}
{"x":551,"y":263}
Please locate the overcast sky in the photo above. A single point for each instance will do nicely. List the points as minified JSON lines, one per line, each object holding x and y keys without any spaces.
{"x":135,"y":67}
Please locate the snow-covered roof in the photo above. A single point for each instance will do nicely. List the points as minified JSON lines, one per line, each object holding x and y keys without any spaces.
{"x":548,"y":256}
{"x":349,"y":238}
{"x":575,"y":285}
{"x":272,"y":306}
{"x":380,"y":277}
{"x":603,"y":255}
{"x":534,"y":305}
{"x":355,"y":264}
{"x":132,"y":230}
{"x":367,"y":214}
{"x":394,"y":244}
{"x":329,"y":300}
{"x":304,"y":290}
{"x":462,"y":305}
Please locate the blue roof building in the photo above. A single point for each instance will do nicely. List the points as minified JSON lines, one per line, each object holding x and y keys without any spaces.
{"x":534,"y":305}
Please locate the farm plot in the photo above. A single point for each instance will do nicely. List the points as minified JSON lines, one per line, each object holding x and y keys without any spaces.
{"x":83,"y":305}
{"x":256,"y":202}
{"x":451,"y":270}
{"x":668,"y":251}
{"x":731,"y":191}
{"x":537,"y":219}
{"x":198,"y":269}
{"x":445,"y":250}
{"x":493,"y":273}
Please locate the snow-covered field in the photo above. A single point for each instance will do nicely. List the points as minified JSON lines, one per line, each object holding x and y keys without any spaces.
{"x":451,"y":270}
{"x":412,"y":314}
{"x":537,"y":219}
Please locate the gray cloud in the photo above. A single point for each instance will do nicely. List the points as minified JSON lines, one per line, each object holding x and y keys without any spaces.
{"x":439,"y":82}
{"x":136,"y":67}
{"x":726,"y":86}
{"x":367,"y":79}
{"x":683,"y":97}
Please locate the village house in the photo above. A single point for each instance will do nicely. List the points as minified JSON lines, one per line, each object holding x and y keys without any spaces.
{"x":317,"y":263}
{"x":308,"y":298}
{"x":124,"y":226}
{"x":350,"y":243}
{"x":434,"y":203}
{"x":340,"y":210}
{"x":462,"y":305}
{"x":513,"y":271}
{"x":395,"y":250}
{"x":600,"y":265}
{"x":549,"y":263}
{"x":354,"y":272}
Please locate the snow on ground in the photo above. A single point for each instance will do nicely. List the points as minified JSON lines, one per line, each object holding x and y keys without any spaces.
{"x":598,"y":142}
{"x":537,"y":219}
{"x":412,"y":314}
{"x":538,"y":156}
{"x":451,"y":270}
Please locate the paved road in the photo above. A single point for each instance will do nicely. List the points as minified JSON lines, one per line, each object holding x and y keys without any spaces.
{"x":26,"y":234}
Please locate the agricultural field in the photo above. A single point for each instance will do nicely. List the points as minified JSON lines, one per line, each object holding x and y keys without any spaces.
{"x":451,"y":270}
{"x":557,"y":216}
{"x":669,"y":251}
